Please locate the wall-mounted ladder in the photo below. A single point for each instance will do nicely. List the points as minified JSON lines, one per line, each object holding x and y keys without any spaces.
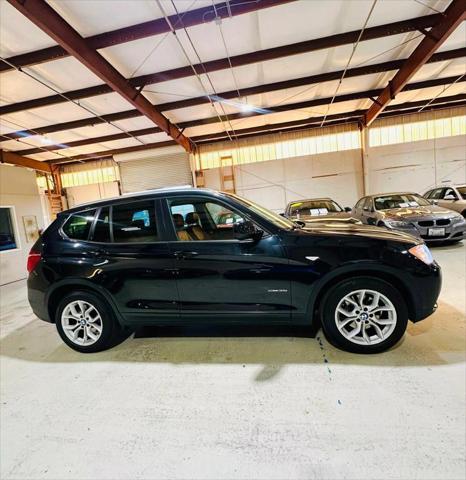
{"x":227,"y":174}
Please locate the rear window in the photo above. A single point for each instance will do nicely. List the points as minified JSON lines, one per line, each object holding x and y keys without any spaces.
{"x":79,"y":225}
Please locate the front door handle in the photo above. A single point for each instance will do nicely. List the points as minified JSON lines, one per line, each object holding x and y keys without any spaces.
{"x":184,"y":255}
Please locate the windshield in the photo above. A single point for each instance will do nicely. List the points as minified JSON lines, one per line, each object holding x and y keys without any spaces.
{"x":462,"y":191}
{"x":272,"y":217}
{"x":400,"y":200}
{"x":314,"y":208}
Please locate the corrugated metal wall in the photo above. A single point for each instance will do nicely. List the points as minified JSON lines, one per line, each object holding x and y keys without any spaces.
{"x":169,"y":170}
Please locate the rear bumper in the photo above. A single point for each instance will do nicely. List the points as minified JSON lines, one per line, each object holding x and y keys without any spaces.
{"x":36,"y":298}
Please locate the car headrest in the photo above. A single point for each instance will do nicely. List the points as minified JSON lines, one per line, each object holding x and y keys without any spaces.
{"x":178,"y":220}
{"x":138,"y":223}
{"x":192,"y":218}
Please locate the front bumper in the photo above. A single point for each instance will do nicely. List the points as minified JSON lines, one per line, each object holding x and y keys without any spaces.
{"x":425,"y":296}
{"x":453,"y":232}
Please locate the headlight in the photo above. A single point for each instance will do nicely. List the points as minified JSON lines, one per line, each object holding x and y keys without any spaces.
{"x":458,"y":219}
{"x":397,"y":224}
{"x":422,"y":252}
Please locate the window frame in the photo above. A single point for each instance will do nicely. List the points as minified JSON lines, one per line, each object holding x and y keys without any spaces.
{"x":360,"y":203}
{"x":370,"y":205}
{"x":64,"y":235}
{"x":14,"y":225}
{"x":454,"y":193}
{"x":172,"y":230}
{"x":159,"y":222}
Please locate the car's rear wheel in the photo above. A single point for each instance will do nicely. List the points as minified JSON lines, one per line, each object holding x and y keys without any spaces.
{"x":364,"y":315}
{"x":86,"y":323}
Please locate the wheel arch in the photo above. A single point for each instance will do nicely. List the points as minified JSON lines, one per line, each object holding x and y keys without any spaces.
{"x":72,"y":285}
{"x":315,"y":301}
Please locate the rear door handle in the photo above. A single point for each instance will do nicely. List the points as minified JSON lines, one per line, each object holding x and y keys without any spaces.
{"x":183,"y":255}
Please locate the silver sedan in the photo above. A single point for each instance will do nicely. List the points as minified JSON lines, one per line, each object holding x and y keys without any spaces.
{"x":411,"y":213}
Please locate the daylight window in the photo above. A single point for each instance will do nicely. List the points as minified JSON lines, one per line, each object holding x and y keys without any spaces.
{"x":417,"y":131}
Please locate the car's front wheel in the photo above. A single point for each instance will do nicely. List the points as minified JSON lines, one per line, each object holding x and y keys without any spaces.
{"x":364,"y":315}
{"x":86,"y":323}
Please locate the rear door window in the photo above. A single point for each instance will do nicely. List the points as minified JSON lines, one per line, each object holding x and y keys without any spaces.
{"x":134,"y":222}
{"x":79,"y":225}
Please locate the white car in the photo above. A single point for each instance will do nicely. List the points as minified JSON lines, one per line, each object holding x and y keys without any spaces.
{"x":452,"y":197}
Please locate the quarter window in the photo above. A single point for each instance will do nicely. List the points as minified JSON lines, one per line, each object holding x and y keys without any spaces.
{"x":79,"y":224}
{"x":134,"y":222}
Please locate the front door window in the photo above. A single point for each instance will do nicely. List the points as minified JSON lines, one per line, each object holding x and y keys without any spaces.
{"x":200,"y":219}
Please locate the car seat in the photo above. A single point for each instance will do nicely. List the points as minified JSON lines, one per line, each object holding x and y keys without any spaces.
{"x":181,"y":232}
{"x":194,"y":227}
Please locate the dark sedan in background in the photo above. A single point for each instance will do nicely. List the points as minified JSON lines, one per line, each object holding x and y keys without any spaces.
{"x":318,"y":210}
{"x":413,"y":214}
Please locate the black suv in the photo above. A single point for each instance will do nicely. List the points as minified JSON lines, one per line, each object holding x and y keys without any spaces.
{"x":171,"y":257}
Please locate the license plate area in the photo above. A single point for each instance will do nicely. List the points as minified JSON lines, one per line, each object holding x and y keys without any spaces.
{"x":436,"y":232}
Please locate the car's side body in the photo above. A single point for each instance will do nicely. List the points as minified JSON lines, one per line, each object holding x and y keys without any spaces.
{"x":452,"y":197}
{"x":280,"y":278}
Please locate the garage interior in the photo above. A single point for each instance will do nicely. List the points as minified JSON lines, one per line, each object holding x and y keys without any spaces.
{"x":276,"y":101}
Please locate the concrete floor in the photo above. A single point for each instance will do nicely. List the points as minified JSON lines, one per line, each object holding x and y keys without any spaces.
{"x":236,"y":408}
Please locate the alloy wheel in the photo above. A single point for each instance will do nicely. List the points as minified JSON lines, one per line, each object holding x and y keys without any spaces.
{"x":81,"y":322}
{"x":365,"y":317}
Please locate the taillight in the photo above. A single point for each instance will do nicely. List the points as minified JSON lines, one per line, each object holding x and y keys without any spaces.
{"x":33,"y":260}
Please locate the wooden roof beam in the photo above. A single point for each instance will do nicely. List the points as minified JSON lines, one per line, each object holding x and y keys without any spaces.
{"x":13,"y":158}
{"x":308,"y":123}
{"x":143,"y":30}
{"x":449,"y":21}
{"x":371,"y":33}
{"x":48,"y":20}
{"x":293,"y":106}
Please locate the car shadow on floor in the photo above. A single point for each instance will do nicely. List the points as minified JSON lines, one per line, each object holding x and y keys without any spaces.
{"x":438,"y":340}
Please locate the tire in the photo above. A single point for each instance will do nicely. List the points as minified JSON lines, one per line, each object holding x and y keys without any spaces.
{"x":372,"y":336}
{"x":102,"y":323}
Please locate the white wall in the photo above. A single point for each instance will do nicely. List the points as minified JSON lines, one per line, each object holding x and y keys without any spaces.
{"x":417,"y":166}
{"x":91,"y":193}
{"x":276,"y":182}
{"x":18,"y":188}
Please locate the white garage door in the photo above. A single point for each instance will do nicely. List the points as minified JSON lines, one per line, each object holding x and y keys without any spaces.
{"x":169,"y":170}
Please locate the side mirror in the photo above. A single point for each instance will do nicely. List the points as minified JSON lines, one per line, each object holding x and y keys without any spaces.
{"x":434,"y":202}
{"x":450,"y":197}
{"x":282,"y":214}
{"x":247,"y":230}
{"x":348,"y":209}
